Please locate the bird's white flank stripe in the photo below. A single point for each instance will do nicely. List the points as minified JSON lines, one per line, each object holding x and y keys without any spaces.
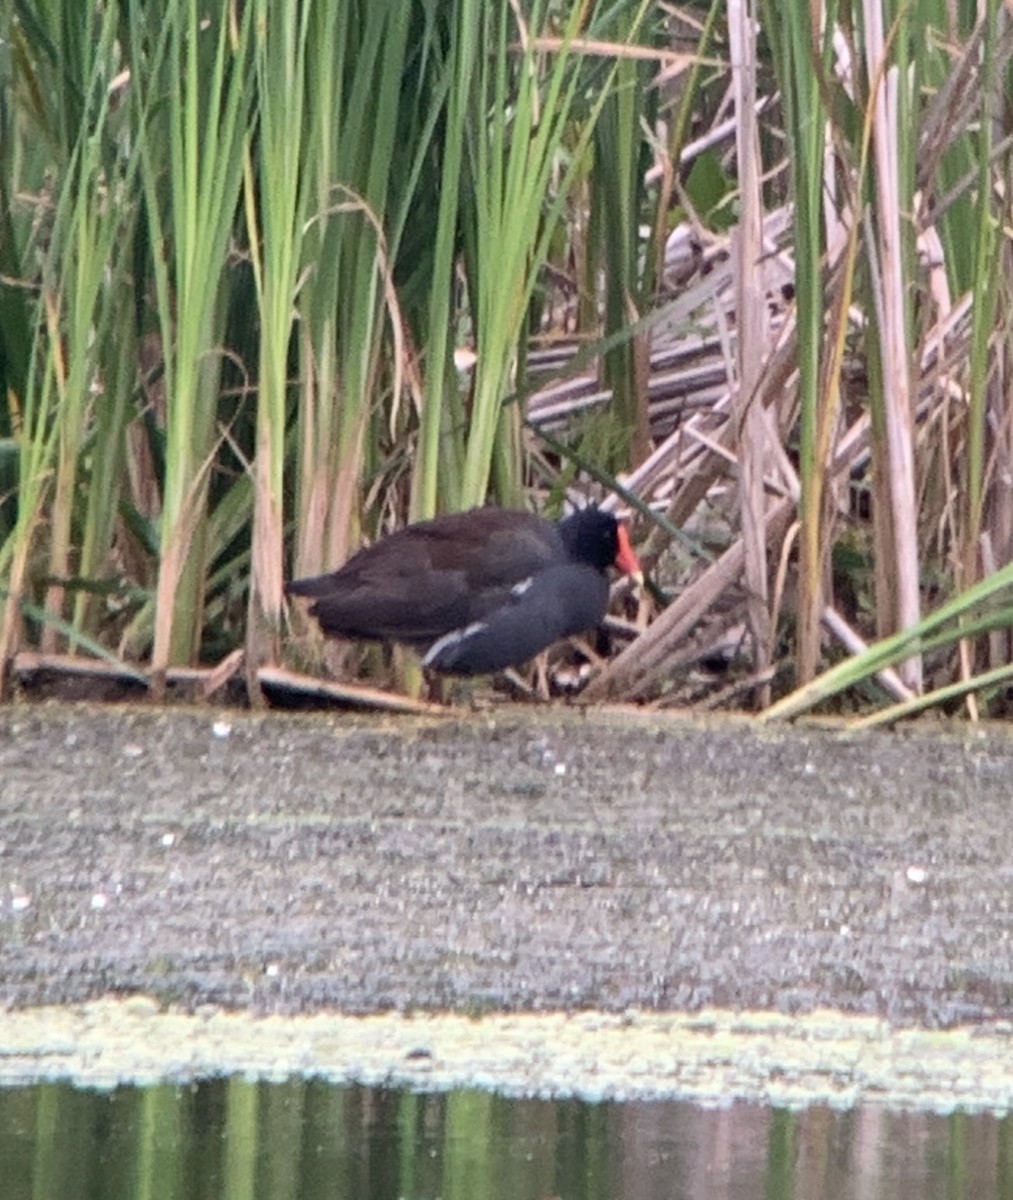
{"x":452,"y":639}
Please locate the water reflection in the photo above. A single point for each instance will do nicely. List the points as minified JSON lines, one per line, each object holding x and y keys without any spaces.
{"x":238,"y":1140}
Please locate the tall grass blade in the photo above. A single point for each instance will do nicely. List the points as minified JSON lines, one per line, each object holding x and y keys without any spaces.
{"x":891,"y":249}
{"x":193,"y":80}
{"x":275,"y":208}
{"x":750,"y":417}
{"x":800,"y":41}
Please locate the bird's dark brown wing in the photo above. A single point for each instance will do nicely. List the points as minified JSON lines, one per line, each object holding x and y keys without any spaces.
{"x":492,"y":546}
{"x":412,"y":611}
{"x":427,"y":579}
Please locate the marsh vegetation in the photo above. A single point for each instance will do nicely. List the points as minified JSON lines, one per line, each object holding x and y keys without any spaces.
{"x":277,"y":278}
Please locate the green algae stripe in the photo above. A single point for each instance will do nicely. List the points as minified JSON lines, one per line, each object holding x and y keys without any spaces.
{"x":825,"y":1057}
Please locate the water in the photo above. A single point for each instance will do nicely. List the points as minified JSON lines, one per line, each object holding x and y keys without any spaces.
{"x":242,"y":1140}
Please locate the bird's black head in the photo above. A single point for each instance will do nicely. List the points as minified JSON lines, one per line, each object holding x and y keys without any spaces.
{"x":591,"y":536}
{"x":597,"y":539}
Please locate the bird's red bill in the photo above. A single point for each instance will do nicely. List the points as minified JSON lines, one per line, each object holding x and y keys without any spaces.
{"x":626,"y":559}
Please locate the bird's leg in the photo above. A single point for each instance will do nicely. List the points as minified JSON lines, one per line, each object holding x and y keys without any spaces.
{"x":436,"y":687}
{"x":519,"y":683}
{"x":542,"y":675}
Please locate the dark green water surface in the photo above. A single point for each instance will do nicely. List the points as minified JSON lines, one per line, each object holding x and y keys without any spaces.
{"x":233,"y":1138}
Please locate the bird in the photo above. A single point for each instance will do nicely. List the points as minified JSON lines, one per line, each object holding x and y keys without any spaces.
{"x":476,"y":592}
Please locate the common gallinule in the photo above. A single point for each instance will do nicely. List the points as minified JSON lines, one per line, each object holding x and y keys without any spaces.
{"x":476,"y":591}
